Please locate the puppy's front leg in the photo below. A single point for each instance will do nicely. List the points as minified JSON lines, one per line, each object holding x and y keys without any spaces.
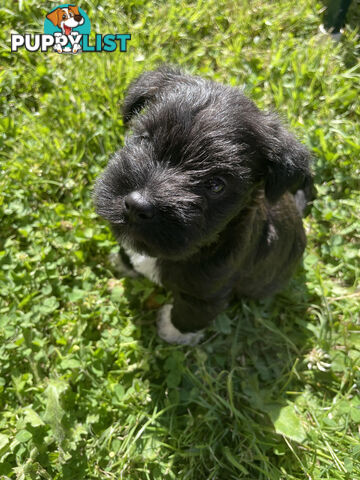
{"x":182,"y":322}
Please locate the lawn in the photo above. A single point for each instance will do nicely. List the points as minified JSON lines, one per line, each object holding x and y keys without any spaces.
{"x":87,"y":389}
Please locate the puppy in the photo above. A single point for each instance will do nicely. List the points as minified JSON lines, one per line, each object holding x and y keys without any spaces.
{"x":66,"y":18}
{"x":206,"y":197}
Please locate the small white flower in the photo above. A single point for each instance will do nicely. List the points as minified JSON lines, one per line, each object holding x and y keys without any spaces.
{"x":317,"y":359}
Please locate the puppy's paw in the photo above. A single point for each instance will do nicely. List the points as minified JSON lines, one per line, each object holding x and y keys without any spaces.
{"x":76,"y":48}
{"x":171,"y":334}
{"x":58,"y":48}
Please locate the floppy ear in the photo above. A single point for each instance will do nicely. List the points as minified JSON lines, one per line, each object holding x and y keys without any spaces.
{"x":145,"y":89}
{"x":286,"y":162}
{"x":54,"y":17}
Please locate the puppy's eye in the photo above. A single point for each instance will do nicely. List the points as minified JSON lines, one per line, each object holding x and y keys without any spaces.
{"x":215,"y":185}
{"x":64,"y":16}
{"x":144,"y":136}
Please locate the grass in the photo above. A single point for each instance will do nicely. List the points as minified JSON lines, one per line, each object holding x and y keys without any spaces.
{"x":87,"y":390}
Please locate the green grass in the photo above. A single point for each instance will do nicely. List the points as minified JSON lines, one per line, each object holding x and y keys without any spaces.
{"x":87,"y":390}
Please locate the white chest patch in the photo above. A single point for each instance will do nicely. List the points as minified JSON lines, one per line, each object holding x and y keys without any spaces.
{"x":144,"y":265}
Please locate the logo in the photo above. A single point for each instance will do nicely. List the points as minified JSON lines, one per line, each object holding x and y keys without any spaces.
{"x":67,"y":30}
{"x":67,"y":24}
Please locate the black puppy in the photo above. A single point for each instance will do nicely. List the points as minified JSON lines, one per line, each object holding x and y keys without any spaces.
{"x":206,"y":196}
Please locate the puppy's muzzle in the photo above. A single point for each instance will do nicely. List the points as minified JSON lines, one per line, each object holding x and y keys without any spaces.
{"x":138,"y":208}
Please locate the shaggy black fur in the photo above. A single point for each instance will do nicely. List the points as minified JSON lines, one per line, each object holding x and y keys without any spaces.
{"x":210,"y":186}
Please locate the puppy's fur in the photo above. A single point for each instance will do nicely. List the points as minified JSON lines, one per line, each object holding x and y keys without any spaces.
{"x":209,"y":187}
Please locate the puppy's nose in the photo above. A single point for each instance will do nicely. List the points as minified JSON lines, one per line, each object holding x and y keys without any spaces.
{"x":138,"y":207}
{"x":78,"y":18}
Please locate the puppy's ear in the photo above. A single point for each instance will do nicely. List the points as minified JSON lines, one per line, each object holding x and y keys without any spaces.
{"x":54,"y":17}
{"x":286,"y":162}
{"x":145,"y":89}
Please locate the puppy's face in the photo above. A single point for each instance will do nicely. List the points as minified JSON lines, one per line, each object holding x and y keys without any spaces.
{"x":190,"y":165}
{"x":66,"y":18}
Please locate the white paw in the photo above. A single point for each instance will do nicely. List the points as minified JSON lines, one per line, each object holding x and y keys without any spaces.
{"x":76,"y":48}
{"x":171,"y":334}
{"x":58,"y":48}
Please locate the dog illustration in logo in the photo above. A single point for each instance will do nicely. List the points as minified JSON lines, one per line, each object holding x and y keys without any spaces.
{"x":66,"y":18}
